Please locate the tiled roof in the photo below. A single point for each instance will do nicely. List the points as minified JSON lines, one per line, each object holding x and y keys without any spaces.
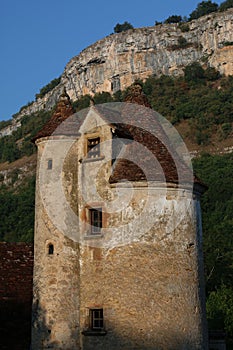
{"x":150,"y":154}
{"x":63,"y":111}
{"x":16,"y":271}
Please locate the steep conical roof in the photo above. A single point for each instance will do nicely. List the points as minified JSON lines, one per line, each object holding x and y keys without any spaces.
{"x":149,"y":133}
{"x":63,"y":110}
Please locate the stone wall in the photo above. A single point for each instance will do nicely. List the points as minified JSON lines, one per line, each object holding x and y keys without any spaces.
{"x":56,"y":275}
{"x":16,"y":265}
{"x":144,"y":270}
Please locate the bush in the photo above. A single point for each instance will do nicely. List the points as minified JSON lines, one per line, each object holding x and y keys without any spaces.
{"x":173,"y":19}
{"x":4,"y":123}
{"x":182,"y":42}
{"x":203,"y":8}
{"x":194,"y":72}
{"x":225,"y":5}
{"x":184,"y":27}
{"x":219,"y":308}
{"x":211,"y":74}
{"x":18,"y":226}
{"x":82,"y":102}
{"x":225,"y":131}
{"x":122,"y":27}
{"x":102,"y":97}
{"x":50,"y":86}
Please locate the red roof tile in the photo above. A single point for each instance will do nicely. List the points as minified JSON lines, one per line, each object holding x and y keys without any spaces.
{"x":63,"y":110}
{"x":149,"y":156}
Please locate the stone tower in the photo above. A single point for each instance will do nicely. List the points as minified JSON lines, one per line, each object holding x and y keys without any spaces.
{"x":118,"y":255}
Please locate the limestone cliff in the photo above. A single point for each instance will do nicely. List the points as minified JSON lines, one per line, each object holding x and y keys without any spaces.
{"x":115,"y":62}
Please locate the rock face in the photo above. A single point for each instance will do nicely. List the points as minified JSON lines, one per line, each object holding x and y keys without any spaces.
{"x":115,"y":62}
{"x":15,"y":124}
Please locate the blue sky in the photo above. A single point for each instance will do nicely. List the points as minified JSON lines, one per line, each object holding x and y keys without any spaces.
{"x":38,"y":38}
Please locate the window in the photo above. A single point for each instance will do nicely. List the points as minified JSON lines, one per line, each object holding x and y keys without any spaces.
{"x":95,"y":220}
{"x":50,"y":249}
{"x":93,"y":147}
{"x":95,"y":324}
{"x":50,"y":164}
{"x":96,"y":319}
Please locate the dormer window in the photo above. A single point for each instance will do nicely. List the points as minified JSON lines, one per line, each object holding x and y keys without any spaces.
{"x":93,"y":147}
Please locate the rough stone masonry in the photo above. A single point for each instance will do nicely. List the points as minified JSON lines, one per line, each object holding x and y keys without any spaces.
{"x":118,"y":247}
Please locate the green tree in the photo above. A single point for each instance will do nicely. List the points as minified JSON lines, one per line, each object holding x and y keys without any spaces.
{"x":82,"y":102}
{"x":19,"y":225}
{"x":194,"y":72}
{"x":217,"y":206}
{"x":122,"y":27}
{"x":211,"y":74}
{"x":219,"y":308}
{"x":4,"y":123}
{"x":173,"y":19}
{"x":44,"y":90}
{"x":225,"y":5}
{"x":182,"y":42}
{"x":203,"y":8}
{"x":102,"y":97}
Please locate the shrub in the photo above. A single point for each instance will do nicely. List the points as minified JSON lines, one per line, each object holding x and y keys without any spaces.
{"x":193,"y":72}
{"x":225,"y":5}
{"x":203,"y":8}
{"x":182,"y":42}
{"x":173,"y":19}
{"x":225,"y":131}
{"x":184,"y":27}
{"x":50,"y":86}
{"x":220,"y":309}
{"x":122,"y":27}
{"x":211,"y":74}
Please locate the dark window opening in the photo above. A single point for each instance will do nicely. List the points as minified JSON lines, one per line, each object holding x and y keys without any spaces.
{"x":51,"y":249}
{"x":96,"y":220}
{"x":50,"y":164}
{"x":96,"y":319}
{"x":93,"y":147}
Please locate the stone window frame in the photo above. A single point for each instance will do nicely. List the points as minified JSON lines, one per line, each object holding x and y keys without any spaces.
{"x":93,"y":147}
{"x":96,"y":318}
{"x":95,"y":216}
{"x":87,"y":149}
{"x":88,"y":209}
{"x":95,"y":315}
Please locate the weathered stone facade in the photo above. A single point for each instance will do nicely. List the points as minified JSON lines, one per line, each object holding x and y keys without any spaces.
{"x":143,"y":271}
